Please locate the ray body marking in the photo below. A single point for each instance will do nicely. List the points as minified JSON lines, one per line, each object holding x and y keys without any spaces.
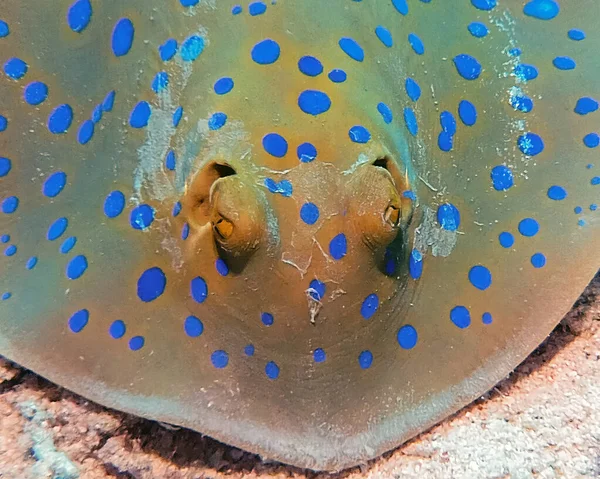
{"x":308,"y":229}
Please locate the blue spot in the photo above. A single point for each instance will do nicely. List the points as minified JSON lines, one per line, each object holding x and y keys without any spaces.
{"x":306,"y":152}
{"x":595,"y":180}
{"x":219,"y":359}
{"x":189,"y":3}
{"x":445,"y":141}
{"x":10,"y":205}
{"x":217,"y":121}
{"x":151,"y":284}
{"x":160,"y":82}
{"x":411,"y":121}
{"x":68,"y":245}
{"x":117,"y":329}
{"x":447,"y":122}
{"x":275,"y":145}
{"x":177,"y":114}
{"x":140,"y":115}
{"x":170,"y":160}
{"x":176,"y":209}
{"x":79,"y":320}
{"x":86,"y":131}
{"x":35,"y":93}
{"x":415,"y":264}
{"x":413,"y":90}
{"x":467,"y":66}
{"x":538,"y":260}
{"x":54,"y":184}
{"x":384,"y":36}
{"x":3,"y":123}
{"x":168,"y":50}
{"x":369,"y":306}
{"x":352,"y":49}
{"x":76,"y":267}
{"x":221,"y":267}
{"x":79,"y":15}
{"x":193,"y":327}
{"x":122,"y":37}
{"x":337,"y":76}
{"x":4,"y":238}
{"x":486,"y":318}
{"x":521,"y":103}
{"x":401,"y":6}
{"x":359,"y":134}
{"x":11,"y":250}
{"x":141,"y":217}
{"x":249,"y":350}
{"x":530,"y":144}
{"x":265,"y":52}
{"x":314,"y":102}
{"x":191,"y":48}
{"x":484,"y":4}
{"x":542,"y":9}
{"x":109,"y":101}
{"x":31,"y":262}
{"x":529,"y":227}
{"x":460,"y":316}
{"x":467,"y":112}
{"x":136,"y":343}
{"x":257,"y":8}
{"x":502,"y":178}
{"x":386,"y":112}
{"x":4,"y":29}
{"x":514,"y":52}
{"x":586,"y":105}
{"x":6,"y":296}
{"x":272,"y":370}
{"x":236,"y":10}
{"x":407,"y":337}
{"x":185,"y":231}
{"x":60,"y":119}
{"x":199,"y":289}
{"x":416,"y":44}
{"x":310,"y":66}
{"x":114,"y":204}
{"x":557,"y":193}
{"x":365,"y":359}
{"x":5,"y":166}
{"x":591,"y":140}
{"x":506,"y":239}
{"x":564,"y":63}
{"x":267,"y":319}
{"x":309,"y":212}
{"x":319,"y":355}
{"x":97,"y":114}
{"x":448,"y":217}
{"x":223,"y":85}
{"x":15,"y":68}
{"x":575,"y":34}
{"x":525,"y":72}
{"x":338,"y":246}
{"x":478,"y":29}
{"x":317,"y":289}
{"x":480,"y":277}
{"x":578,"y":210}
{"x":57,"y":228}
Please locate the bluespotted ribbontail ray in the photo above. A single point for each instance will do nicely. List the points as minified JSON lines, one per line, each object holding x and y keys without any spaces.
{"x":310,"y":229}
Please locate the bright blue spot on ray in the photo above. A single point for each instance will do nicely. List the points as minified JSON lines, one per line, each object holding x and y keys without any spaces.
{"x":530,"y":144}
{"x":413,"y":90}
{"x":189,"y":3}
{"x":502,"y":178}
{"x":219,"y":359}
{"x":160,"y":82}
{"x":314,"y":102}
{"x":385,"y":112}
{"x":448,"y":217}
{"x":86,"y":131}
{"x":595,"y":180}
{"x":168,"y":49}
{"x":401,"y":6}
{"x":4,"y":29}
{"x":109,"y":101}
{"x":480,"y":277}
{"x":415,"y":264}
{"x":249,"y":350}
{"x":384,"y":36}
{"x":199,"y":289}
{"x":416,"y":44}
{"x":460,"y":316}
{"x":407,"y":337}
{"x":136,"y":343}
{"x":467,"y":66}
{"x":529,"y":227}
{"x":170,"y":160}
{"x":140,"y":115}
{"x":114,"y":204}
{"x":467,"y":112}
{"x":578,"y":210}
{"x":411,"y":121}
{"x":57,"y":228}
{"x":4,"y":238}
{"x":35,"y":93}
{"x":176,"y":209}
{"x":3,"y":123}
{"x":338,"y":246}
{"x":68,"y":244}
{"x":317,"y":289}
{"x":337,"y":76}
{"x":591,"y":140}
{"x":557,"y":193}
{"x":265,"y":52}
{"x":177,"y":114}
{"x":586,"y":105}
{"x":122,"y":37}
{"x":352,"y":48}
{"x":31,"y":262}
{"x":306,"y":152}
{"x":97,"y":114}
{"x":310,"y":66}
{"x":76,"y":267}
{"x":267,"y":319}
{"x":486,"y":318}
{"x":359,"y":134}
{"x":151,"y":284}
{"x":79,"y":320}
{"x":236,"y":10}
{"x":522,"y":103}
{"x":447,"y":122}
{"x":5,"y":166}
{"x":221,"y":267}
{"x":9,"y":205}
{"x":79,"y":15}
{"x":542,"y":9}
{"x":365,"y":359}
{"x":538,"y":260}
{"x":478,"y":29}
{"x":11,"y":250}
{"x":191,"y":48}
{"x":484,"y":4}
{"x":185,"y":231}
{"x":223,"y":85}
{"x":369,"y":306}
{"x":60,"y":119}
{"x":272,"y":370}
{"x":319,"y":355}
{"x":275,"y":145}
{"x":577,"y":35}
{"x":15,"y":68}
{"x":445,"y":141}
{"x":217,"y":121}
{"x":193,"y":327}
{"x":564,"y":63}
{"x":525,"y":72}
{"x":54,"y":184}
{"x":309,"y":212}
{"x":506,"y":239}
{"x":117,"y":329}
{"x":257,"y":8}
{"x":6,"y":296}
{"x":141,"y":217}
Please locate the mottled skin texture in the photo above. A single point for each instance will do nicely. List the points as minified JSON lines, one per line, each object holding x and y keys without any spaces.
{"x":333,"y":414}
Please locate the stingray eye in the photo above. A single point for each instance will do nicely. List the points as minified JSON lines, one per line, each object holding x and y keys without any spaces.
{"x":223,"y":228}
{"x":392,"y":215}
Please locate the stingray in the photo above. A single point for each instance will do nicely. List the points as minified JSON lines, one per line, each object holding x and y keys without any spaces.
{"x":309,"y":229}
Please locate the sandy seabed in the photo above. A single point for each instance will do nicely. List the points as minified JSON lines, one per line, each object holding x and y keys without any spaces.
{"x":543,"y":421}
